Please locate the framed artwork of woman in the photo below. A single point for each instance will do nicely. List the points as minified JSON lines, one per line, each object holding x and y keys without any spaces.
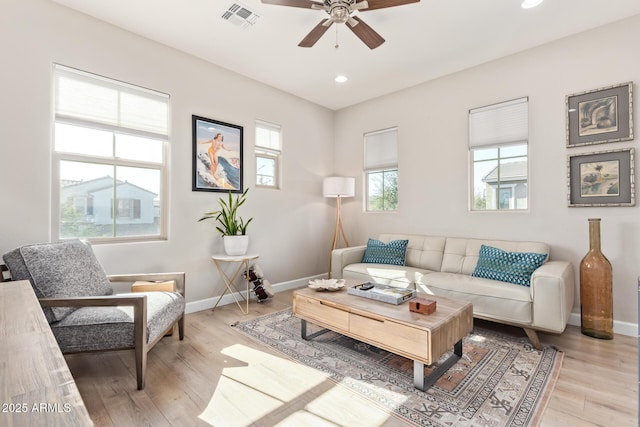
{"x":217,"y":156}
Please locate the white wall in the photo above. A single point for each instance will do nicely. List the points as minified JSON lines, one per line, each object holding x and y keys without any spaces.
{"x":432,"y":121}
{"x":37,"y":33}
{"x":433,"y":153}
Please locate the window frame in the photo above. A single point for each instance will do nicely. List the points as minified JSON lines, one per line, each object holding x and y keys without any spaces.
{"x":276,"y":167}
{"x":376,"y":165}
{"x":366,"y":180}
{"x":499,"y":159}
{"x":58,"y":157}
{"x":499,"y":126}
{"x":269,"y":153}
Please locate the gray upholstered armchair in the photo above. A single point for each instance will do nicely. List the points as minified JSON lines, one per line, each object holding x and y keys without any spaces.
{"x":78,"y":302}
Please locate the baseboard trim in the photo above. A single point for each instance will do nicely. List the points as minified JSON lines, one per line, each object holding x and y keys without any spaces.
{"x":208,"y":303}
{"x":622,"y":328}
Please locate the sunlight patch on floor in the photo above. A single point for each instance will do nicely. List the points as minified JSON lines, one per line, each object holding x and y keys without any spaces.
{"x":272,"y":390}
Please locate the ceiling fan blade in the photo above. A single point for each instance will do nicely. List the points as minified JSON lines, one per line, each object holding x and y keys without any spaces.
{"x":362,"y":4}
{"x":380,"y":4}
{"x":315,"y":34}
{"x":307,"y":4}
{"x":366,"y":34}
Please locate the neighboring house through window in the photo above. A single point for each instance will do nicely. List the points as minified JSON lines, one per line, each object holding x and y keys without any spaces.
{"x":498,"y":144}
{"x":110,"y":142}
{"x":268,"y":152}
{"x":381,"y":170}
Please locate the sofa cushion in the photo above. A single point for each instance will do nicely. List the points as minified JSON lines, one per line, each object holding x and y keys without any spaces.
{"x":491,"y":299}
{"x":399,"y":276}
{"x":58,"y":270}
{"x":422,"y":251}
{"x":512,"y":267}
{"x":392,"y":253}
{"x":105,"y":328}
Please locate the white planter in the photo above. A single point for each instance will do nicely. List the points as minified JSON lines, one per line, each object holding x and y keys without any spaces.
{"x":236,"y":245}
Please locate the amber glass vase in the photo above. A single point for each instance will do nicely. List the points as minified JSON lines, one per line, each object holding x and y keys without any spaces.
{"x":596,"y":288}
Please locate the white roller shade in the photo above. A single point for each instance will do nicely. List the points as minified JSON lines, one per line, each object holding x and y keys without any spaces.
{"x":503,"y":123}
{"x":381,"y":149}
{"x":88,"y":98}
{"x":267,"y":135}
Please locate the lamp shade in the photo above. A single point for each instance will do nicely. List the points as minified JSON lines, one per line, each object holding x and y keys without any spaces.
{"x":339,"y":186}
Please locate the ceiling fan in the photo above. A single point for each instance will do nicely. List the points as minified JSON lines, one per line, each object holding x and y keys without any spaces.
{"x":340,"y":11}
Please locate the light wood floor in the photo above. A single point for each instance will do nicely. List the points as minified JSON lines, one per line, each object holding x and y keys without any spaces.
{"x":598,"y":383}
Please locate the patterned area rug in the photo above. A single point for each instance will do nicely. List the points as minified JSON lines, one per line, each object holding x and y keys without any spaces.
{"x":501,"y":380}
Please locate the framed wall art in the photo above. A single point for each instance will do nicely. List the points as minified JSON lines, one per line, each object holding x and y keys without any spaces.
{"x":600,"y":116}
{"x":217,"y":156}
{"x":604,"y":178}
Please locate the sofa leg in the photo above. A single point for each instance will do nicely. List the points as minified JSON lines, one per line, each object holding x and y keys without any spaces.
{"x":533,"y":337}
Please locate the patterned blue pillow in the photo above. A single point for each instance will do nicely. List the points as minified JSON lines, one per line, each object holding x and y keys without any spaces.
{"x":392,"y":253}
{"x":512,"y":267}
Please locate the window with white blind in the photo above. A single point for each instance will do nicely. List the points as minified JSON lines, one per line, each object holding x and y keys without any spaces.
{"x":268,"y":152}
{"x":381,"y":170}
{"x":498,"y":139}
{"x":109,"y":158}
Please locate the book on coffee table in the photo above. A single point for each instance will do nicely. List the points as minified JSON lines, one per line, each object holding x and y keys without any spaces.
{"x":380,"y":292}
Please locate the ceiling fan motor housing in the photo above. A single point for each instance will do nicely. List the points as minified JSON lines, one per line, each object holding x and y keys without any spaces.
{"x":339,"y":10}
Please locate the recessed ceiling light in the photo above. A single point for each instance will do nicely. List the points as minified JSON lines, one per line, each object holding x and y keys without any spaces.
{"x":528,"y":4}
{"x":341,"y":79}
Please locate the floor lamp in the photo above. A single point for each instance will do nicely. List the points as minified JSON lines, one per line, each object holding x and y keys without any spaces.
{"x":338,"y":187}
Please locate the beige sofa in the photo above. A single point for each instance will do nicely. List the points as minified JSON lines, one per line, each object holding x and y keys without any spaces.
{"x":443,"y":266}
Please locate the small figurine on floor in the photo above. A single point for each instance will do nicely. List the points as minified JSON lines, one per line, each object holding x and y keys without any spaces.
{"x":261,"y":286}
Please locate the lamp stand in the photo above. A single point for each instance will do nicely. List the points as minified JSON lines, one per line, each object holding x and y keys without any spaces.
{"x":335,"y":232}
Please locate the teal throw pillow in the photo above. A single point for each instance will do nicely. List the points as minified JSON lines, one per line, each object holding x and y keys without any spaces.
{"x":392,"y":253}
{"x":511,"y":267}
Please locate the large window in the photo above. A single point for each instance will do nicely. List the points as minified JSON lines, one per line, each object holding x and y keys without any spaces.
{"x":268,"y":152}
{"x":498,"y":142}
{"x":110,"y":143}
{"x":381,"y":170}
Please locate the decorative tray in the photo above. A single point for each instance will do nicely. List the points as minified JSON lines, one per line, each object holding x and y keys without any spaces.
{"x":384,"y":293}
{"x":330,"y":285}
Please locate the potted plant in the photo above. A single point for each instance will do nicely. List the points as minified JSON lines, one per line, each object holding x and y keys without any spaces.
{"x":230,"y":225}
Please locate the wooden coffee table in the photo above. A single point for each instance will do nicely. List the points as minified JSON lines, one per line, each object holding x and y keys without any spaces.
{"x":421,"y":338}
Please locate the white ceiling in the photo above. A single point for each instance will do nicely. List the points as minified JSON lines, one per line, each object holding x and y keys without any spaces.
{"x":424,"y":40}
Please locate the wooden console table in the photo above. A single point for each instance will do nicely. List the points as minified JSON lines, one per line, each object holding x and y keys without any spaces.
{"x":37,"y":388}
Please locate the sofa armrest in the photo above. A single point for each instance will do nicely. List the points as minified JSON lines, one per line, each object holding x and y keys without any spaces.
{"x":340,"y":258}
{"x":552,"y":289}
{"x":178,"y":278}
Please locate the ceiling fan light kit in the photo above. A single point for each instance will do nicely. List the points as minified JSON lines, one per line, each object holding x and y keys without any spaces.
{"x":340,"y":12}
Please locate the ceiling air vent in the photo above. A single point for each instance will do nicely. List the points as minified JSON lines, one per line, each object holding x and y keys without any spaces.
{"x":240,"y":15}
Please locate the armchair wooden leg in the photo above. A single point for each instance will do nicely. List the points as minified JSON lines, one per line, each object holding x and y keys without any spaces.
{"x":140,"y":339}
{"x":141,"y":368}
{"x":181,"y":328}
